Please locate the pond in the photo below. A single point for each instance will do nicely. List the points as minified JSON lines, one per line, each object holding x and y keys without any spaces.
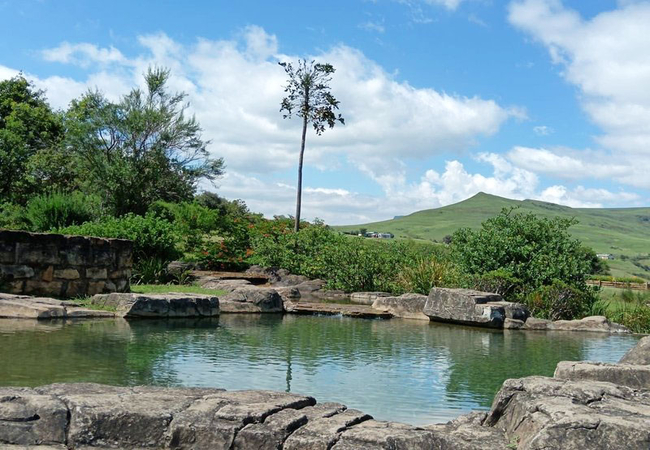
{"x":407,"y":371}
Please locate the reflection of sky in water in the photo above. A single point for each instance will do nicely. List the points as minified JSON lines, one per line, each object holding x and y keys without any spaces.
{"x":407,"y":371}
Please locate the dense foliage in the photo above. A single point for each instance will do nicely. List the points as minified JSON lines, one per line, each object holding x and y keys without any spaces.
{"x":536,"y":259}
{"x":28,"y":129}
{"x":58,"y":210}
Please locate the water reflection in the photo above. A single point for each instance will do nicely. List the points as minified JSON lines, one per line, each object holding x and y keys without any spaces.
{"x":410,"y":371}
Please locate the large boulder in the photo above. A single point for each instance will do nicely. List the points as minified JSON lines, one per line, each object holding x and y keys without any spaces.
{"x":159,"y":305}
{"x":406,"y":306}
{"x":639,"y":354}
{"x":252,"y":300}
{"x":548,"y":413}
{"x":630,"y":375}
{"x":465,"y":306}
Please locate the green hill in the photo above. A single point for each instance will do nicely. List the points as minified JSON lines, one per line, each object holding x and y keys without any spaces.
{"x":623,"y":232}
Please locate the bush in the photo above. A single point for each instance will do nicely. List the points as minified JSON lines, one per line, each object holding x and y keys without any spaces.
{"x":423,"y":274}
{"x":192,"y":221}
{"x":152,"y":236}
{"x":58,"y":210}
{"x":11,"y":216}
{"x":345,"y":263}
{"x":499,"y":281}
{"x":560,"y":301}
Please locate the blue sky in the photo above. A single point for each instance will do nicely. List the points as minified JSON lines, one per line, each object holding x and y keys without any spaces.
{"x":542,"y":99}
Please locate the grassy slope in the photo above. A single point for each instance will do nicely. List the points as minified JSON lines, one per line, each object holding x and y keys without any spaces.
{"x":620,"y":231}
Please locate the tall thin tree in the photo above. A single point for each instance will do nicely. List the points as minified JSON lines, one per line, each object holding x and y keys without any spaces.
{"x":309,"y":97}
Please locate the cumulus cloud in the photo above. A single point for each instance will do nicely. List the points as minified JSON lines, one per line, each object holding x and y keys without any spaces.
{"x":606,"y":58}
{"x":235,"y":87}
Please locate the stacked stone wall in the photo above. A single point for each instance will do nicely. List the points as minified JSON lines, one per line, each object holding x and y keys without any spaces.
{"x":63,"y":266}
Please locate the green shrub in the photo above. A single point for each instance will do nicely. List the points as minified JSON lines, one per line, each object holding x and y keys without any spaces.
{"x":193,"y":221}
{"x":345,"y":263}
{"x":58,"y":210}
{"x":560,"y":301}
{"x":499,"y":281}
{"x":152,"y":236}
{"x":150,"y":271}
{"x":11,"y":216}
{"x":423,"y":274}
{"x":635,"y":316}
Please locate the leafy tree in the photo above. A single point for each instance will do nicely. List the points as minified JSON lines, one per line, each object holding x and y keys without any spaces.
{"x":27,"y":126}
{"x":309,"y":97}
{"x":537,"y":254}
{"x":140,"y":149}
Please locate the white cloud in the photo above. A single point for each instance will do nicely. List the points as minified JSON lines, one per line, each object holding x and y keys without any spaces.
{"x":369,"y":25}
{"x":432,"y":190}
{"x":606,"y":58}
{"x":235,"y":87}
{"x":543,"y":130}
{"x":570,"y":164}
{"x":83,"y":54}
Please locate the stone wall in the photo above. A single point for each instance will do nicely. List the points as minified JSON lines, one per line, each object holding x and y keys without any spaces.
{"x":63,"y":266}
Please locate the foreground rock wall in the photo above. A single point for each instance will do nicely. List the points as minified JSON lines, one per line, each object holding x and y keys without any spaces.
{"x":63,"y":266}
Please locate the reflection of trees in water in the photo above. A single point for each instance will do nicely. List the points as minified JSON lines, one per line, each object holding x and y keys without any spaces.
{"x":475,"y":362}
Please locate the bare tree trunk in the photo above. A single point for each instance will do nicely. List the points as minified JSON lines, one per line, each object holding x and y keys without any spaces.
{"x":296,"y":227}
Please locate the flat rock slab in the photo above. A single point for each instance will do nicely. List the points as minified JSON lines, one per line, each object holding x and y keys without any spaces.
{"x":594,"y":324}
{"x":630,"y":375}
{"x":252,"y":300}
{"x":94,"y":416}
{"x":367,"y":298}
{"x":548,"y":413}
{"x":159,"y":305}
{"x":41,"y":308}
{"x":406,"y":306}
{"x":334,"y":309}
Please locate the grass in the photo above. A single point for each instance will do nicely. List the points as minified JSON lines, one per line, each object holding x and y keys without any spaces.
{"x":167,"y":288}
{"x":619,"y":231}
{"x":86,"y":303}
{"x":627,"y":307}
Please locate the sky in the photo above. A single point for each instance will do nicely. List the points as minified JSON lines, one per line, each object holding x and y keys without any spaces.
{"x":539,"y":99}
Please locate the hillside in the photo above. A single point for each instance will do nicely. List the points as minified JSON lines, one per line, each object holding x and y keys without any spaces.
{"x":623,"y":232}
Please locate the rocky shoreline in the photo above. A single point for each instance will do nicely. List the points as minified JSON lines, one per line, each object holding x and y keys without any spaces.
{"x":578,"y":412}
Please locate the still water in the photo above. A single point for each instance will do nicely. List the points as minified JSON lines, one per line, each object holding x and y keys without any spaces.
{"x":407,"y":371}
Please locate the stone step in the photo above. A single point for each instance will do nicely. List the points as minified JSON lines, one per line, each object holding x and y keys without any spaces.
{"x":333,"y":309}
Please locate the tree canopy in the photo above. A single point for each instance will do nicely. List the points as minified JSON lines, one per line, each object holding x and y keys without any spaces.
{"x":141,"y":149}
{"x":28,"y":126}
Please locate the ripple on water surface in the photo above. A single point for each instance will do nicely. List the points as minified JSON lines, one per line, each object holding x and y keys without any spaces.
{"x":408,"y":371}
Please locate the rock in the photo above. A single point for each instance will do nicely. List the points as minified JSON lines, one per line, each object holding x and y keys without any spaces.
{"x":251,"y":300}
{"x":179,"y":267}
{"x":599,"y":324}
{"x":536,"y":324}
{"x":639,"y":354}
{"x":159,"y":305}
{"x":630,"y":375}
{"x":321,"y":434}
{"x":516,"y":311}
{"x":26,"y":307}
{"x":468,"y":433}
{"x":277,"y":277}
{"x":274,"y":431}
{"x":213,"y":421}
{"x":225,"y":285}
{"x":371,"y":434}
{"x":548,"y":413}
{"x":407,"y":306}
{"x":27,"y":418}
{"x":310,"y":287}
{"x":367,"y":298}
{"x":464,"y":306}
{"x":513,"y":324}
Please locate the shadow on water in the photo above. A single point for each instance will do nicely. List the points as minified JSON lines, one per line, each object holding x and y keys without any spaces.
{"x":409,"y":371}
